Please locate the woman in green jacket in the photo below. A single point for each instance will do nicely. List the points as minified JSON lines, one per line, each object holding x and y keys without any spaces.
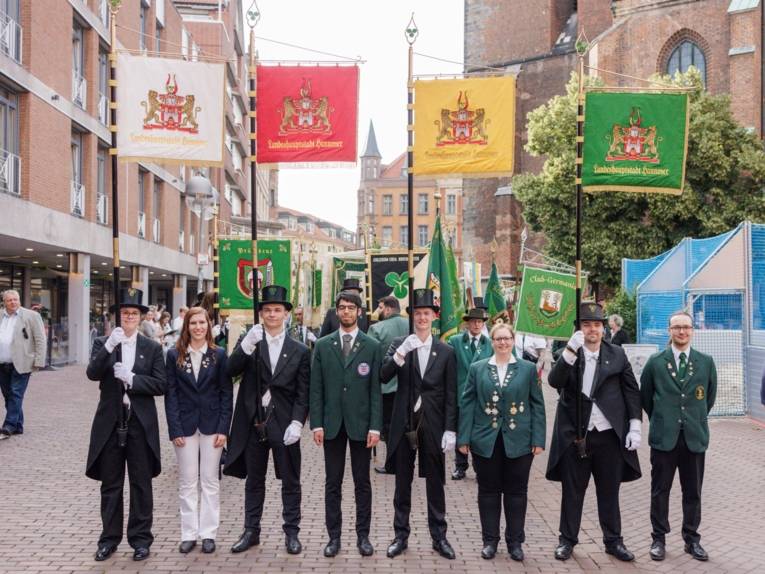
{"x":502,"y":421}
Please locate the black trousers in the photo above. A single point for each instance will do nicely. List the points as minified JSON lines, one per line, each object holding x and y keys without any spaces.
{"x":334,"y":466}
{"x":111,"y":463}
{"x":691,"y":468}
{"x":287,"y":460}
{"x":460,"y":460}
{"x":403,"y":460}
{"x":605,"y":464}
{"x":387,"y":405}
{"x":502,"y":481}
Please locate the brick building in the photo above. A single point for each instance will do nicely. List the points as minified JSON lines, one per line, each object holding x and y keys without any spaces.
{"x":55,"y":170}
{"x":535,"y":40}
{"x":383,"y":204}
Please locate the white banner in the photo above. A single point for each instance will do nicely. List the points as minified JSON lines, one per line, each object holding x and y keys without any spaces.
{"x":170,"y":110}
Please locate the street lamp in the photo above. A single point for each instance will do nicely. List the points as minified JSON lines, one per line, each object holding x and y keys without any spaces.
{"x":201,"y":199}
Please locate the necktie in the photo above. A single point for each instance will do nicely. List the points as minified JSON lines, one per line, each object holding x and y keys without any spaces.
{"x":474,"y":345}
{"x":346,"y":345}
{"x":682,"y":367}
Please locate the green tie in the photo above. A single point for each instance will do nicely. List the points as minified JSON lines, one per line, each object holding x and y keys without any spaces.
{"x":474,"y":345}
{"x":682,"y":367}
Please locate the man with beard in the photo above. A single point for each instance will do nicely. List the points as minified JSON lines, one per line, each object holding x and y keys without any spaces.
{"x":332,"y":320}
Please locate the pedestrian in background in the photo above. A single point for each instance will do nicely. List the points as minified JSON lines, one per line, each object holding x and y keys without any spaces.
{"x":22,"y":350}
{"x":178,"y":321}
{"x":618,"y":335}
{"x":502,"y":423}
{"x":198,"y":405}
{"x":147,"y":324}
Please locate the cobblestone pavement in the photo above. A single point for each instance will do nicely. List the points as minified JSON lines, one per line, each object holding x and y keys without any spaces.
{"x":49,"y":517}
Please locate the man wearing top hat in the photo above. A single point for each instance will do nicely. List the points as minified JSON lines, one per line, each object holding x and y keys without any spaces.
{"x":610,"y":424}
{"x":678,"y":387}
{"x":331,"y":320}
{"x":128,"y":383}
{"x":346,"y":412}
{"x":469,"y":346}
{"x":424,"y":422}
{"x":283,"y":367}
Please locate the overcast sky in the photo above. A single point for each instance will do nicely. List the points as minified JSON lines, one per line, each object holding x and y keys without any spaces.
{"x":374,"y":31}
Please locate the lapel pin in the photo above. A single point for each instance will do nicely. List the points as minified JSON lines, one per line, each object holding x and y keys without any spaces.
{"x":434,"y":353}
{"x":140,"y":356}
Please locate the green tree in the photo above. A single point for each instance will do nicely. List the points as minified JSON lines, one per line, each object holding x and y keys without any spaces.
{"x":725,"y":173}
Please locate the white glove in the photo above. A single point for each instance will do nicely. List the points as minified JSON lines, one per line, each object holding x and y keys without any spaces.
{"x":576,"y":341}
{"x":448,"y":441}
{"x":124,"y":374}
{"x":292,"y":434}
{"x":252,"y":338}
{"x":266,"y":399}
{"x":632,"y":441}
{"x":411,"y":343}
{"x":116,"y":337}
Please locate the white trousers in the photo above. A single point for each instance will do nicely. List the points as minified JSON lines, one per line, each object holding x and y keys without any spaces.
{"x":198,"y":462}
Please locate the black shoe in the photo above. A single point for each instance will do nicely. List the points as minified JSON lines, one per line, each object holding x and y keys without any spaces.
{"x":187,"y":546}
{"x":397,"y":547}
{"x":458,"y":474}
{"x":563,"y":551}
{"x":17,"y":431}
{"x":489,"y":551}
{"x":620,"y":552}
{"x":332,"y":548}
{"x":249,"y":537}
{"x":382,"y":470}
{"x":365,"y":546}
{"x":696,"y":551}
{"x":141,"y":553}
{"x":293,"y":544}
{"x":5,"y":434}
{"x":105,"y":551}
{"x":657,"y":551}
{"x":444,"y":548}
{"x":208,"y":545}
{"x":515,"y":550}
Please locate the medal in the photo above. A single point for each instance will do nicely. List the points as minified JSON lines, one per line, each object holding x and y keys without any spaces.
{"x":521,"y":408}
{"x":494,"y":424}
{"x":513,"y":410}
{"x":512,"y":424}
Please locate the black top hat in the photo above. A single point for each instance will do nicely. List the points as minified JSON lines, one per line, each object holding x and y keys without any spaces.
{"x":274,"y":294}
{"x":476,"y":313}
{"x":479,"y":304}
{"x":424,"y":299}
{"x":351,"y":283}
{"x":130,"y":298}
{"x":591,"y":312}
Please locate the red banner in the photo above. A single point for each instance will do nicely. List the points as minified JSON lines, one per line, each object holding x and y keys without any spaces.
{"x":307,"y":114}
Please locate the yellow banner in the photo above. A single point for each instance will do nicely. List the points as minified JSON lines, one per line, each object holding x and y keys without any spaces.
{"x":465,"y":127}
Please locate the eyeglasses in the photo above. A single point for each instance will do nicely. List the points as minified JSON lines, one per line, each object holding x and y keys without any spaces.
{"x":347,"y":307}
{"x":502,"y":339}
{"x":130,"y":313}
{"x":681,"y":328}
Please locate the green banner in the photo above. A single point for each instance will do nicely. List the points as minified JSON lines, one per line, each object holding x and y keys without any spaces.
{"x":442,"y":278}
{"x":317,"y":278}
{"x":546,"y":304}
{"x":635,"y":141}
{"x":235,"y":268}
{"x":345,"y":268}
{"x":495,"y":295}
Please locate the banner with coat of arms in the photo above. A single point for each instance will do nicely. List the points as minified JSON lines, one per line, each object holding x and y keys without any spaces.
{"x":635,"y":141}
{"x":464,"y":127}
{"x":546,"y":304}
{"x":307,"y":114}
{"x":170,"y":110}
{"x":235,"y":268}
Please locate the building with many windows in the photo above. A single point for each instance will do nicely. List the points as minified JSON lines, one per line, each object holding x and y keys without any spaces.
{"x":383,"y":204}
{"x":55,"y":168}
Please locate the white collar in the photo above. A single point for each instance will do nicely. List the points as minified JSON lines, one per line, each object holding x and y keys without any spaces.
{"x":493,"y":360}
{"x":132,"y":339}
{"x":428,"y":342}
{"x":14,"y":314}
{"x":590,"y":354}
{"x":201,"y":351}
{"x":277,"y":339}
{"x":353,"y":333}
{"x":676,"y":352}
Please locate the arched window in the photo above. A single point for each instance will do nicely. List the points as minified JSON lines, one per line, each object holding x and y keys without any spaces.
{"x":685,"y":55}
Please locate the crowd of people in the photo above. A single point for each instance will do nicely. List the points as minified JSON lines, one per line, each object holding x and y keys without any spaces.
{"x":477,"y":394}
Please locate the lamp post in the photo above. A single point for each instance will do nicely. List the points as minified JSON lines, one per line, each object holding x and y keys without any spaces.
{"x":201,"y":199}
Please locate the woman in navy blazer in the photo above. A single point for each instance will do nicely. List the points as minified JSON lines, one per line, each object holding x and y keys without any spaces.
{"x":198,"y":404}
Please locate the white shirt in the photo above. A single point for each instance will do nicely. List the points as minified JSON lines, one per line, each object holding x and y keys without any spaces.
{"x":7,"y":326}
{"x":353,"y":335}
{"x":502,"y":369}
{"x":128,"y":360}
{"x":196,"y":358}
{"x":529,"y":343}
{"x":597,"y":419}
{"x":423,"y":353}
{"x":675,"y":351}
{"x":274,"y":348}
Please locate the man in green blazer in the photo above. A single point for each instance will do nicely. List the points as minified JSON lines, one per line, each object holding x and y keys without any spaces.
{"x":469,"y":346}
{"x":678,"y":388}
{"x":346,"y":408}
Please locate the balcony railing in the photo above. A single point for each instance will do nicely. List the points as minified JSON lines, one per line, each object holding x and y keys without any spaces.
{"x":141,"y":224}
{"x":10,"y":37}
{"x":77,"y":199}
{"x":103,"y":109}
{"x":10,"y":170}
{"x":101,"y":208}
{"x":155,"y":230}
{"x":79,"y":90}
{"x":181,"y":241}
{"x":103,"y":11}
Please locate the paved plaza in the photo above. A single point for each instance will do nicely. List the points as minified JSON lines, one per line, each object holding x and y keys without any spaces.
{"x":49,"y":516}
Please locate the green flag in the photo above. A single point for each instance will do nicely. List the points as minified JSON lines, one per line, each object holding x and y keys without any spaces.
{"x":635,"y":141}
{"x":317,"y":279}
{"x":442,"y":278}
{"x":494,"y":298}
{"x":546,"y":304}
{"x":236,"y":273}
